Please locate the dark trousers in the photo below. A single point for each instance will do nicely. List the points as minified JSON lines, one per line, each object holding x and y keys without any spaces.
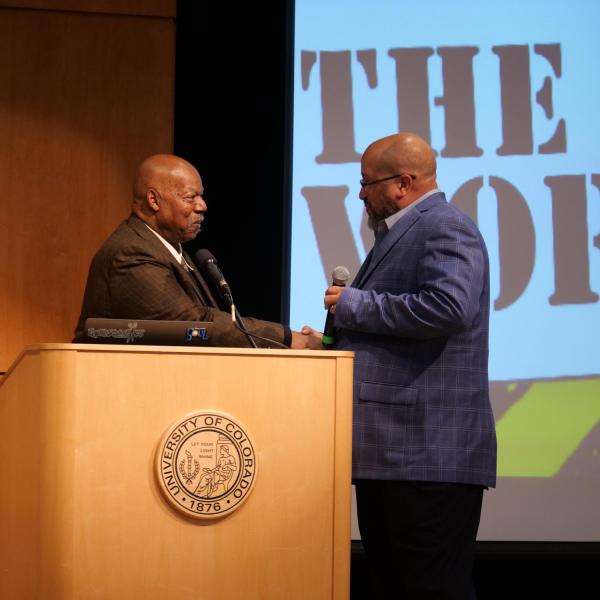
{"x":419,"y":537}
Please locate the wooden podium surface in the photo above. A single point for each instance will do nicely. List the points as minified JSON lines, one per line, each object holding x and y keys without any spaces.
{"x":81,"y":512}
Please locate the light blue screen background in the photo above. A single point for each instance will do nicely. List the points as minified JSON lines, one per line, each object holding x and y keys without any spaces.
{"x":531,"y":339}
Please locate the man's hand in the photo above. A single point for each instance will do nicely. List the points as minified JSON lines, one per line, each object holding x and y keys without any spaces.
{"x":332,"y":295}
{"x":307,"y":339}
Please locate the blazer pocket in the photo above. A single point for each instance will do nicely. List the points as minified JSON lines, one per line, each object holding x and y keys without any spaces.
{"x":388,"y":394}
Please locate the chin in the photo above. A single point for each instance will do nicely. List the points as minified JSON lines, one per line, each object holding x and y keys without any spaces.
{"x":190,"y":235}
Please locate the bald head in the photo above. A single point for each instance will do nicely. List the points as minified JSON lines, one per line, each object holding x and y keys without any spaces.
{"x":156,"y":170}
{"x":397,"y":170}
{"x":406,"y":153}
{"x":168,"y":197}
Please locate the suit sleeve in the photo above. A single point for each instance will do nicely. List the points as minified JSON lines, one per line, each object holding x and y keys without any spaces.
{"x":143,"y":287}
{"x":450,"y":276}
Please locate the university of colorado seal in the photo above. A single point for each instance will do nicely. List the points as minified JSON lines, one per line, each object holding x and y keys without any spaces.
{"x":205,"y":465}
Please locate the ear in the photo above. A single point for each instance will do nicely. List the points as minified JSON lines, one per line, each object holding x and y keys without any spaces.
{"x":405,"y":184}
{"x":153,"y":199}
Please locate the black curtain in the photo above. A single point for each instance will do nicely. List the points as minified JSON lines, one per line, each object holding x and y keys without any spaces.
{"x":232,"y":110}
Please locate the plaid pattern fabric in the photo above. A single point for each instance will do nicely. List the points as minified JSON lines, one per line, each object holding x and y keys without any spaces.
{"x":417,"y":317}
{"x":133,"y":276}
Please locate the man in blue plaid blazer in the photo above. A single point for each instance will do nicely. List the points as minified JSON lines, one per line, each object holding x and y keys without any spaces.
{"x":416,"y":316}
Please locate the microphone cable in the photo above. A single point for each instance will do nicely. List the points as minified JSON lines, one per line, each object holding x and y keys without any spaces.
{"x":207,"y":263}
{"x":238,"y":322}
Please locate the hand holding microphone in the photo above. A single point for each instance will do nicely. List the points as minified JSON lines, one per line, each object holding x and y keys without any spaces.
{"x":339,"y":277}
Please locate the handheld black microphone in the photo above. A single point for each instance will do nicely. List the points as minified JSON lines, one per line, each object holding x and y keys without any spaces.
{"x":339,"y":276}
{"x":207,"y":263}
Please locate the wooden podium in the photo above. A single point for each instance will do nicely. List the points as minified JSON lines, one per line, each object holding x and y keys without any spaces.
{"x":83,"y":516}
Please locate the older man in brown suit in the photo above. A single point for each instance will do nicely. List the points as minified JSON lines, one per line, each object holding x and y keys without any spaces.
{"x":142,"y":272}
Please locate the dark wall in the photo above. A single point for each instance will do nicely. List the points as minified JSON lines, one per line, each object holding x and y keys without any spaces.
{"x":230,"y":121}
{"x":515,"y":571}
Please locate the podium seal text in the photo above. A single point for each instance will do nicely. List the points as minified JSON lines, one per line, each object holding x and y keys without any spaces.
{"x":206,"y":465}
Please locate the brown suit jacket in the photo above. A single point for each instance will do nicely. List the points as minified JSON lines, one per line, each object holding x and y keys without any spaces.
{"x":133,"y":276}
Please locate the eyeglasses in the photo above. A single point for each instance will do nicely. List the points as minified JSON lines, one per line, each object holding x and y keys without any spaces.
{"x":364,"y":183}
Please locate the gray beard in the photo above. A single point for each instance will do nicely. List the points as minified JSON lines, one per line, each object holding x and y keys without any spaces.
{"x":372,"y":223}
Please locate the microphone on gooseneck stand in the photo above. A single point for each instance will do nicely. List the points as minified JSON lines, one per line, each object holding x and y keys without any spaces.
{"x":207,"y":264}
{"x":339,"y":277}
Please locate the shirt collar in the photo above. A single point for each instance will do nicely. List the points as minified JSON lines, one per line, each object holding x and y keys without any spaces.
{"x":393,"y":219}
{"x":177,"y":254}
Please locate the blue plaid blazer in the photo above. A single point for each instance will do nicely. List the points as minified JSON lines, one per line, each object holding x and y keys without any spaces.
{"x":417,"y":318}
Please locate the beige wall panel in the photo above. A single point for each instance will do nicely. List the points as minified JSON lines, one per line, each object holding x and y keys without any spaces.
{"x":83,"y":98}
{"x":157,"y":8}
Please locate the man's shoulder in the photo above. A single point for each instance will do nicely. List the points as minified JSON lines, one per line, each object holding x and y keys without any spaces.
{"x":437,"y":209}
{"x":127,"y":237}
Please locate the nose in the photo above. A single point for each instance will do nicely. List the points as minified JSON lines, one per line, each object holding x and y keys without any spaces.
{"x":200,"y":204}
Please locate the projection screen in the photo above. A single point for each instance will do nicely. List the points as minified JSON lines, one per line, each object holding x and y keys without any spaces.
{"x":508,"y":95}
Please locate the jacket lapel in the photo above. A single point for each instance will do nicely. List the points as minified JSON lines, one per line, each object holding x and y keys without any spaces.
{"x":392,"y":237}
{"x":200,"y":285}
{"x":191,"y":281}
